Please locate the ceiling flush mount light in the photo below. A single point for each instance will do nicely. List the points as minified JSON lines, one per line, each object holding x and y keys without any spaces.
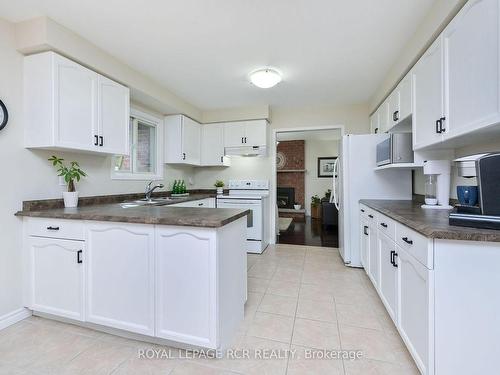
{"x":265,"y":78}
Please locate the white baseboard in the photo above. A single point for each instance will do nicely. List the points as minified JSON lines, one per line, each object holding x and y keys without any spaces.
{"x":14,"y":317}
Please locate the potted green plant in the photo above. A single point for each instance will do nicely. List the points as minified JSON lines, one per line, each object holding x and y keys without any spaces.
{"x":70,"y":174}
{"x":315,"y":207}
{"x":219,"y":184}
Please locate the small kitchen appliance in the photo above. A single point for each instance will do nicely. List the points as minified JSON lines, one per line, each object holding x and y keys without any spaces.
{"x":437,"y":184}
{"x":486,"y":168}
{"x":396,"y":148}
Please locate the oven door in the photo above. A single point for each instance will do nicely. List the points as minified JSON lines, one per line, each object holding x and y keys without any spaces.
{"x":384,"y":152}
{"x":254,"y":226}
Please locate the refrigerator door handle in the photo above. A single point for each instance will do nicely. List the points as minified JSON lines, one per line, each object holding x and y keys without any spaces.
{"x":334,"y":196}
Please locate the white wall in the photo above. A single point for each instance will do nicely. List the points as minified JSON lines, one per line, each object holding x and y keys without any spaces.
{"x":28,"y":175}
{"x":314,"y":185}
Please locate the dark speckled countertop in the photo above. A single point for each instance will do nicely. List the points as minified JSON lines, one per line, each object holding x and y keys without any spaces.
{"x":110,"y":208}
{"x":430,"y":223}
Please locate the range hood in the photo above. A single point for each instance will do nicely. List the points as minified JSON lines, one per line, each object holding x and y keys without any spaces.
{"x":246,"y":151}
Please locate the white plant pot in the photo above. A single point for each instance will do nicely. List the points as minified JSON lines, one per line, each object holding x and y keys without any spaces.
{"x":297,"y":206}
{"x":220,"y":190}
{"x":70,"y":199}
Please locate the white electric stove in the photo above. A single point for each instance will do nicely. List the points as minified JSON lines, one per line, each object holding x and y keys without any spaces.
{"x":250,"y":195}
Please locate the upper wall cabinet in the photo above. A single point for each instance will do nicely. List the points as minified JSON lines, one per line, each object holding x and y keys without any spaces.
{"x":68,"y":106}
{"x":246,"y":133}
{"x":428,"y":96}
{"x":471,"y":65}
{"x":374,"y":123}
{"x":182,"y":140}
{"x":383,"y":117}
{"x":212,"y":145}
{"x":457,"y":81}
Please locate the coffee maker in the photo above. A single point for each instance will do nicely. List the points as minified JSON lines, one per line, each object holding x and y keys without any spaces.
{"x":486,"y":168}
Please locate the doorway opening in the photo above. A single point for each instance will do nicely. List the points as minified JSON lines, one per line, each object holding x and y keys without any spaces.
{"x":303,"y":182}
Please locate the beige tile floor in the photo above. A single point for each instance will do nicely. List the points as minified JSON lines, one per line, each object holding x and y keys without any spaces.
{"x":300,"y":298}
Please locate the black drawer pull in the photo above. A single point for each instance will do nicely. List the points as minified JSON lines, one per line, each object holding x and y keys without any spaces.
{"x":52,"y":228}
{"x":200,"y":204}
{"x":79,"y":256}
{"x":370,"y":216}
{"x":362,"y":210}
{"x":96,"y":140}
{"x":409,"y":242}
{"x":392,"y":257}
{"x":101,"y":143}
{"x":384,"y":225}
{"x":394,"y":260}
{"x":365,"y":228}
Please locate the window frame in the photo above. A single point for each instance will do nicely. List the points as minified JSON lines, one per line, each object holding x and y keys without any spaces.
{"x":135,"y":176}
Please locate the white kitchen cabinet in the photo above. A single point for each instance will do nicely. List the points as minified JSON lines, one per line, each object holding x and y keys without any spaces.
{"x":384,"y":119}
{"x":56,"y":277}
{"x":373,"y":251}
{"x":428,"y":102}
{"x":207,"y":202}
{"x":212,"y":145}
{"x":388,"y":274}
{"x":70,"y":107}
{"x":374,"y":123}
{"x":393,"y":102}
{"x":182,"y":140}
{"x":113,"y":114}
{"x":416,"y":307}
{"x":120,"y":276}
{"x":186,"y":309}
{"x":405,"y":98}
{"x":472,"y":66}
{"x":246,"y":133}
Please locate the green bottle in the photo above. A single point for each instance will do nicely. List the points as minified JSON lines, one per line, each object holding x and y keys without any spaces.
{"x":183,"y":187}
{"x":175,"y":187}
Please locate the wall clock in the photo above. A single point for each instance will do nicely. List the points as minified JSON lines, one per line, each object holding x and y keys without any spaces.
{"x":4,"y":115}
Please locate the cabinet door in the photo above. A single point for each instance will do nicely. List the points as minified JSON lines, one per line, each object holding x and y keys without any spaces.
{"x":472,"y":68}
{"x":388,"y":274}
{"x":374,"y":256}
{"x":114,"y":115}
{"x":364,"y":243}
{"x":405,"y":102}
{"x":75,"y":104}
{"x":256,"y":133}
{"x":120,"y":276}
{"x":393,"y":102}
{"x":234,"y":134}
{"x":212,"y":145}
{"x":374,"y":123}
{"x":428,"y":96}
{"x":384,"y":120}
{"x":184,"y":311}
{"x":191,"y":148}
{"x":56,"y":276}
{"x":415,"y":296}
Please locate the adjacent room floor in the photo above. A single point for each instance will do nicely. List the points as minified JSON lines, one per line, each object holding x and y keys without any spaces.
{"x":310,"y":233}
{"x":300,"y":298}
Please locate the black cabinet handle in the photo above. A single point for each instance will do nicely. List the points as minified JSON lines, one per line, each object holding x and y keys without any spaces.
{"x":405,"y":239}
{"x":395,"y":116}
{"x":101,"y":143}
{"x":442,"y":129}
{"x":96,"y":140}
{"x":200,"y":204}
{"x":222,"y":159}
{"x":438,"y":126}
{"x":376,"y":130}
{"x":79,"y":256}
{"x":362,"y":210}
{"x":370,"y":216}
{"x":245,"y":139}
{"x":242,"y":139}
{"x":183,"y":156}
{"x":384,"y":225}
{"x":392,"y":257}
{"x":394,"y":260}
{"x":365,"y":228}
{"x":52,"y":228}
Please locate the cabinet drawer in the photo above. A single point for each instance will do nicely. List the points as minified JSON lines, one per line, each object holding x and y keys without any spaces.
{"x":416,"y":245}
{"x":387,"y":226}
{"x":371,"y":216}
{"x":55,"y":228}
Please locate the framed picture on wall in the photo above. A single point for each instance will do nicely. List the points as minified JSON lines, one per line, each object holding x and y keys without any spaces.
{"x":325,"y":166}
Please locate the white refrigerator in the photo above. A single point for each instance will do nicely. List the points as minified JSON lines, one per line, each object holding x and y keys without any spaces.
{"x":355,"y":178}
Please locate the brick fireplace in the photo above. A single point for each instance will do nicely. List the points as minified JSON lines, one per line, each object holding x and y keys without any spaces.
{"x":291,"y":171}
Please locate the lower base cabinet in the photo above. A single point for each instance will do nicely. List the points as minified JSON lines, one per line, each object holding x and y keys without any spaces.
{"x":388,"y":275}
{"x":120,"y":269}
{"x":415,"y":308}
{"x":56,"y":279}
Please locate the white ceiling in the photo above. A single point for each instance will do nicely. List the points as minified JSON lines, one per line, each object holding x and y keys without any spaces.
{"x":331,"y":52}
{"x":309,"y":135}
